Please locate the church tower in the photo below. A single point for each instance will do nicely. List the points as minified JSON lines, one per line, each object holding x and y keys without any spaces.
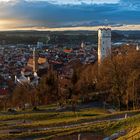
{"x":104,"y":43}
{"x":35,"y":61}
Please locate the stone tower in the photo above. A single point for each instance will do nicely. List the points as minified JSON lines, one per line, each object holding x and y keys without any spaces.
{"x":35,"y":61}
{"x":104,"y":43}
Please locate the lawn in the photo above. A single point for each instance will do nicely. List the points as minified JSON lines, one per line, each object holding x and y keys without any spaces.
{"x":134,"y":133}
{"x":48,"y":123}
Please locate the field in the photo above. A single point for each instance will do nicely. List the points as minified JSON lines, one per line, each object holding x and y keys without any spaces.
{"x":133,"y":134}
{"x":50,"y":123}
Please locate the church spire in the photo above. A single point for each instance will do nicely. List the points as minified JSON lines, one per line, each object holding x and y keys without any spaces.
{"x":35,"y":61}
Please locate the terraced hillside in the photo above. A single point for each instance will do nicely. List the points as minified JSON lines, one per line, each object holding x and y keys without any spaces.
{"x":52,"y":123}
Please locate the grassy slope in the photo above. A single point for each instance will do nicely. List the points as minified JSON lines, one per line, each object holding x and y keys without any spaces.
{"x":52,"y":118}
{"x":135,"y":132}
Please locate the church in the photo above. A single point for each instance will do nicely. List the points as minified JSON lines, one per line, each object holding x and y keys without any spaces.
{"x":32,"y":71}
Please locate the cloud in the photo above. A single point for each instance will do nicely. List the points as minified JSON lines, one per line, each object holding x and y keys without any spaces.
{"x":130,"y":4}
{"x":54,"y":14}
{"x":77,"y":2}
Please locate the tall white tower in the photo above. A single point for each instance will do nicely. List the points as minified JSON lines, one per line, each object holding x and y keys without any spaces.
{"x":137,"y":47}
{"x":104,"y":43}
{"x":82,"y":45}
{"x":35,"y":61}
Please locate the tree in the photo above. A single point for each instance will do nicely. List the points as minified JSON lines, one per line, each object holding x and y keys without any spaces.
{"x":47,"y":90}
{"x":115,"y":74}
{"x":20,"y":96}
{"x":132,"y":88}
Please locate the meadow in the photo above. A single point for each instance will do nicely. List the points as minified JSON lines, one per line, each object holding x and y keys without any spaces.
{"x":49,"y":123}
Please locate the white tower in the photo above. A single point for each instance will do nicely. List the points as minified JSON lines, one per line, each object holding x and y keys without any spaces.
{"x":137,"y":47}
{"x":104,"y":43}
{"x":35,"y":61}
{"x":82,"y":45}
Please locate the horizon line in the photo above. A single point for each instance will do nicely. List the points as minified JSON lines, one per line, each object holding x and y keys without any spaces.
{"x":132,"y":27}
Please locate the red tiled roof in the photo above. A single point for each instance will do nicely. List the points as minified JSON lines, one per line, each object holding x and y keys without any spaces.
{"x":3,"y":91}
{"x":67,"y":50}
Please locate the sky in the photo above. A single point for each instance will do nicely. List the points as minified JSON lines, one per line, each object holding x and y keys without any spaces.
{"x":46,"y":14}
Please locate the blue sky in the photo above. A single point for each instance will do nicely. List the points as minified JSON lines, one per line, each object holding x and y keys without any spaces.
{"x":65,"y":13}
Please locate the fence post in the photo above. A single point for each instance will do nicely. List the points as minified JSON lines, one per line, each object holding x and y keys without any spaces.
{"x":79,"y":136}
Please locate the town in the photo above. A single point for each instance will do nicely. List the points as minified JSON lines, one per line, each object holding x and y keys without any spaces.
{"x":68,"y":81}
{"x":69,"y":69}
{"x":17,"y":61}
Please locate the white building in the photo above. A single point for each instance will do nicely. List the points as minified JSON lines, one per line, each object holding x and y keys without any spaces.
{"x":83,"y":45}
{"x":40,"y":44}
{"x":137,"y":47}
{"x":104,"y":43}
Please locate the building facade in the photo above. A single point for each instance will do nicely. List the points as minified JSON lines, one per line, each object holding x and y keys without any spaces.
{"x":104,"y":43}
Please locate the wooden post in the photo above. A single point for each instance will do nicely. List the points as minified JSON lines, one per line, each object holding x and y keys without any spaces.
{"x":79,"y":136}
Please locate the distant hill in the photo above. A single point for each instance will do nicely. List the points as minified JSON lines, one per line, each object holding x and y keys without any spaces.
{"x":66,"y":37}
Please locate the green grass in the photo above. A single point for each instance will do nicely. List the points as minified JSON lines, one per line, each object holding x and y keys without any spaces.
{"x":104,"y":128}
{"x":68,"y":118}
{"x":40,"y":115}
{"x":132,"y":132}
{"x":51,"y":119}
{"x":45,"y":118}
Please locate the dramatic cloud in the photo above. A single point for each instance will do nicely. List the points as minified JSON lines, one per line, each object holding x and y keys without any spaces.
{"x":77,"y":2}
{"x":61,"y":13}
